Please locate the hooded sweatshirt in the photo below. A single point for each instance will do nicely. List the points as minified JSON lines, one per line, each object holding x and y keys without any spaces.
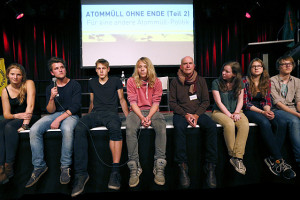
{"x":145,"y":96}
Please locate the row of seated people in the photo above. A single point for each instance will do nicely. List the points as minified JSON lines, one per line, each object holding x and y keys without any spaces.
{"x":238,"y":100}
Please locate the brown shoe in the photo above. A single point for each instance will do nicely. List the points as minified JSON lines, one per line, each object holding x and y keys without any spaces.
{"x":183,"y":175}
{"x":9,"y":170}
{"x":209,"y":169}
{"x":3,"y":177}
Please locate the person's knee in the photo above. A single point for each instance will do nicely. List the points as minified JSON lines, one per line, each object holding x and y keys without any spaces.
{"x":229,"y":125}
{"x":9,"y":127}
{"x":159,"y":124}
{"x":35,"y":133}
{"x":264,"y":124}
{"x":80,"y":129}
{"x":67,"y":133}
{"x":116,"y":136}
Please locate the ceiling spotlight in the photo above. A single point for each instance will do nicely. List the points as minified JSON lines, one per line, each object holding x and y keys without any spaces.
{"x":19,"y":15}
{"x":248,"y":14}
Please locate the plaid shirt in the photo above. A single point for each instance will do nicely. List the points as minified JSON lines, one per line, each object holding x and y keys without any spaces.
{"x":248,"y":97}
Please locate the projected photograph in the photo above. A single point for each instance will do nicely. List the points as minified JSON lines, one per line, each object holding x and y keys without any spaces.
{"x":123,"y":33}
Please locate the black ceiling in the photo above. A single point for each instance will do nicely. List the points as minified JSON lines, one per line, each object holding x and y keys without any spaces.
{"x":208,"y":9}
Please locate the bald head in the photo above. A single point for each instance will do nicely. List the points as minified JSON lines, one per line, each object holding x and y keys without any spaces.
{"x":187,"y":65}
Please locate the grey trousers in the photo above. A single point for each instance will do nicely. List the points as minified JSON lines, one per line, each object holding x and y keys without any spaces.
{"x":133,"y":124}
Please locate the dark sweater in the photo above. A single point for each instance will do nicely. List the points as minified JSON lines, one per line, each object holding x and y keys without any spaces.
{"x":180,"y":101}
{"x":69,"y":97}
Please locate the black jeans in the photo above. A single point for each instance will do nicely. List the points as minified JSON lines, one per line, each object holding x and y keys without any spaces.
{"x":207,"y":125}
{"x":9,"y":138}
{"x":110,"y":120}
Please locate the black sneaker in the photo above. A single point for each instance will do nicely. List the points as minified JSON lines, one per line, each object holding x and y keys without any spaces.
{"x":280,"y":167}
{"x":79,"y":183}
{"x":287,"y":171}
{"x":274,"y":165}
{"x":65,"y":176}
{"x":35,"y":176}
{"x":114,"y":181}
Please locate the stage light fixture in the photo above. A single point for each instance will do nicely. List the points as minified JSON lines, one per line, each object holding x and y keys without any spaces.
{"x":248,"y":13}
{"x":18,"y":15}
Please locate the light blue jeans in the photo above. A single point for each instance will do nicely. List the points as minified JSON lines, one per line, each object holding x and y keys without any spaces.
{"x":37,"y":131}
{"x":293,"y":124}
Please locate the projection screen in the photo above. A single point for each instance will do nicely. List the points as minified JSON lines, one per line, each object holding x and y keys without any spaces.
{"x":124,"y":31}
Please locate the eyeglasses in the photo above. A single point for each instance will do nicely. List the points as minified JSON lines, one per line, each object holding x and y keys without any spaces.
{"x":256,"y":66}
{"x":286,"y":64}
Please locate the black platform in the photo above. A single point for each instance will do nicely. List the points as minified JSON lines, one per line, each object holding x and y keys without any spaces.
{"x":227,"y":178}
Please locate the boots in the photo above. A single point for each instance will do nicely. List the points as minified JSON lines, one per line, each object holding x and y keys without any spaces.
{"x":3,"y":177}
{"x":9,"y":171}
{"x":209,"y":169}
{"x":183,"y":175}
{"x":159,"y":171}
{"x":135,"y":172}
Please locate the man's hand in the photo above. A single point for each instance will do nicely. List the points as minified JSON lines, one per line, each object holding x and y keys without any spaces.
{"x":191,"y":119}
{"x":55,"y":124}
{"x":54,"y":92}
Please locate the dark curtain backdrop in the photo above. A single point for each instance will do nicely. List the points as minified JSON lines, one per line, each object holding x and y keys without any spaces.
{"x":221,"y":33}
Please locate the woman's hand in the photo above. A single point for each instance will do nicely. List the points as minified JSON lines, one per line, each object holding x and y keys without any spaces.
{"x":268,"y":114}
{"x":236,"y":117}
{"x":22,"y":115}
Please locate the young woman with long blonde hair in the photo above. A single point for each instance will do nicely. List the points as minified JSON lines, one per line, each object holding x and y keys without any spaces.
{"x":19,"y":111}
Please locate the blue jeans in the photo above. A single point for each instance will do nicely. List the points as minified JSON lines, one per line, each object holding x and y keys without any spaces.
{"x":293,"y":124}
{"x":274,"y":140}
{"x":67,"y":127}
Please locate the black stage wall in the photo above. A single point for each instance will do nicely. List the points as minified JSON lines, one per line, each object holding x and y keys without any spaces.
{"x":52,"y":28}
{"x":257,"y":172}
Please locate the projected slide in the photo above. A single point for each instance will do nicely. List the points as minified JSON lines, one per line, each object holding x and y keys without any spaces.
{"x":123,"y":33}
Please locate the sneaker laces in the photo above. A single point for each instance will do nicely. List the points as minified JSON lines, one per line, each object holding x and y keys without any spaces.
{"x":240,"y":164}
{"x":33,"y":176}
{"x":67,"y":170}
{"x":135,"y":171}
{"x":285,"y":166}
{"x":159,"y":168}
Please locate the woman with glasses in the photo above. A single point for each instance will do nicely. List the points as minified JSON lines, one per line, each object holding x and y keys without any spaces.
{"x":257,"y":108}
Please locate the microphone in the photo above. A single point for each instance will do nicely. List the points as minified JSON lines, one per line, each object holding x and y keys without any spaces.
{"x":54,"y":84}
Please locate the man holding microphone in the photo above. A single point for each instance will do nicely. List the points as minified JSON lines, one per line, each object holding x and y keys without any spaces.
{"x":63,"y":105}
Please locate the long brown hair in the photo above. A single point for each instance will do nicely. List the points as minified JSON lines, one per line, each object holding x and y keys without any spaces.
{"x":23,"y":89}
{"x":263,"y":85}
{"x":236,"y":80}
